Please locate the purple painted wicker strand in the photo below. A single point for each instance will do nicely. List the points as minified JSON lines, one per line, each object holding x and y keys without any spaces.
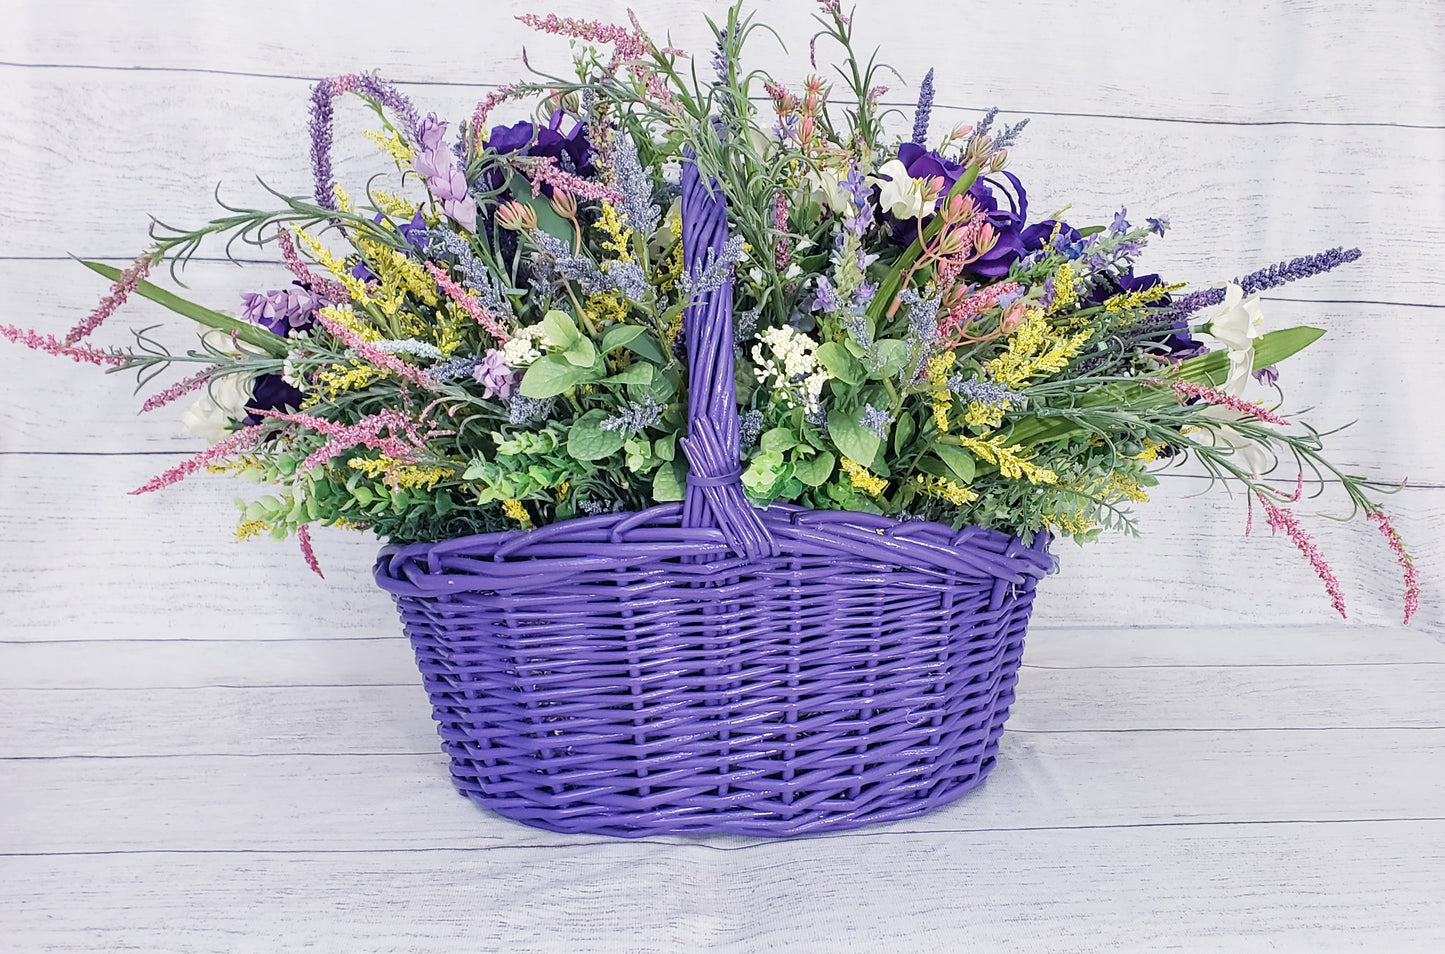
{"x":711,"y":667}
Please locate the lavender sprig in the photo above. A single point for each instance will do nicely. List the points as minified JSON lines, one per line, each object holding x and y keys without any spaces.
{"x":925,"y":107}
{"x":322,"y":114}
{"x":1306,"y":266}
{"x":636,"y":417}
{"x":636,"y":188}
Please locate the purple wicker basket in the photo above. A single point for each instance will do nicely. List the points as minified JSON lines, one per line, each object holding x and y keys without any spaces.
{"x":713,"y":667}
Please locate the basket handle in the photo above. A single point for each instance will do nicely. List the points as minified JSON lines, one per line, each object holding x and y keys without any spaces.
{"x":714,"y":482}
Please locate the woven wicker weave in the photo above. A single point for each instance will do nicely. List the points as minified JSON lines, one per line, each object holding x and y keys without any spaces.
{"x":711,"y":667}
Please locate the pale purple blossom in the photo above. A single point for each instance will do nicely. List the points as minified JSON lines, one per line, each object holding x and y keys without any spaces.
{"x":494,"y":375}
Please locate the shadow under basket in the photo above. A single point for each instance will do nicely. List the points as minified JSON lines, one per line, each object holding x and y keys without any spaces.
{"x":627,"y":675}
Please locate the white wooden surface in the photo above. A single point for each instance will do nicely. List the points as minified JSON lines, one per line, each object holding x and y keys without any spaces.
{"x":204,"y":748}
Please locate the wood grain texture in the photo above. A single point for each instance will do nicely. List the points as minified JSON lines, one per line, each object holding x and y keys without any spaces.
{"x":1066,"y":780}
{"x":1229,"y":62}
{"x":190,"y":662}
{"x":205,"y":748}
{"x":1312,"y":887}
{"x":395,"y":718}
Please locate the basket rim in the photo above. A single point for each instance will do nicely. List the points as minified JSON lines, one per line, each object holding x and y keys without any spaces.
{"x":627,"y":535}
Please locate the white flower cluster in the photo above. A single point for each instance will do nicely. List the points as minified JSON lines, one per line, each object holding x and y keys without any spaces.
{"x":521,"y":349}
{"x":793,"y":364}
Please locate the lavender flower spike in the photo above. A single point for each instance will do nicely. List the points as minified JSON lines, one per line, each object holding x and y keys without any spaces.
{"x":321,"y":116}
{"x":1305,"y":266}
{"x":925,"y":107}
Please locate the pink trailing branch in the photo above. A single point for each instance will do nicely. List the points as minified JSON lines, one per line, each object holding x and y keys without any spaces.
{"x":241,"y":440}
{"x":128,"y":282}
{"x":1188,"y":389}
{"x":179,"y":389}
{"x":369,"y":352}
{"x":484,"y":108}
{"x":1412,"y":576}
{"x":84,"y":354}
{"x":469,"y":303}
{"x":627,"y":45}
{"x":402,"y":442}
{"x":303,"y":537}
{"x":1281,"y":518}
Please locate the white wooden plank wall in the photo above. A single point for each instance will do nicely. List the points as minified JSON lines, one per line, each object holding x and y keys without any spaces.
{"x":204,"y":748}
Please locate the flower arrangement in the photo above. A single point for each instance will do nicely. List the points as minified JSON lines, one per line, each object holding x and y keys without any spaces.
{"x":491,"y":338}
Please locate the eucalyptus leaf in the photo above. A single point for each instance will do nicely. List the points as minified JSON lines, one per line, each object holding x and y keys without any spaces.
{"x":637,"y":374}
{"x":670,"y":482}
{"x":618,"y":336}
{"x":814,"y":471}
{"x":646,"y":346}
{"x":776,"y":440}
{"x":892,"y":352}
{"x":552,"y":374}
{"x":587,"y":440}
{"x":581,"y":353}
{"x":853,"y":439}
{"x":840,"y":363}
{"x":959,"y":461}
{"x":560,"y":329}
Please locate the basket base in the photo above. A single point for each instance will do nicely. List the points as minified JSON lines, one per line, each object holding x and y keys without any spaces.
{"x":681,"y":821}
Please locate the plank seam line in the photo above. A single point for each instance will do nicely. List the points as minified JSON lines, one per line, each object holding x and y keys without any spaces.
{"x":761,"y":843}
{"x":1184,"y":120}
{"x":1195,"y":730}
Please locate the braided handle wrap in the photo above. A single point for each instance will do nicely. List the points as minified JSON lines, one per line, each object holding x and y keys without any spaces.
{"x":714,"y":486}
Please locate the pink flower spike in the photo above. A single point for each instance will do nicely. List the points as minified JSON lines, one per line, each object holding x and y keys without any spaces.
{"x":1412,"y":576}
{"x":473,"y":307}
{"x":484,"y":109}
{"x":1188,"y":389}
{"x":303,"y":537}
{"x":1282,"y":519}
{"x":85,"y":354}
{"x":364,"y":349}
{"x":325,"y":287}
{"x":241,"y":440}
{"x":542,"y":170}
{"x":128,"y":282}
{"x":180,"y":388}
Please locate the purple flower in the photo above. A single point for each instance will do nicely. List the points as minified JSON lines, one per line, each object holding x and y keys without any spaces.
{"x":1159,"y":225}
{"x":1007,"y":225}
{"x":271,"y":393}
{"x":1036,"y":235}
{"x":494,"y":375}
{"x":572,"y":150}
{"x":1120,"y":225}
{"x":825,"y":296}
{"x":282,"y":310}
{"x":443,"y":174}
{"x":1267,"y":376}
